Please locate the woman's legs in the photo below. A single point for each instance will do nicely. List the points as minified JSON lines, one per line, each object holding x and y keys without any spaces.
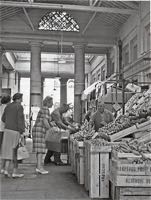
{"x":2,"y":165}
{"x":15,"y":164}
{"x":6,"y":169}
{"x":39,"y":167}
{"x":48,"y":156}
{"x":39,"y":160}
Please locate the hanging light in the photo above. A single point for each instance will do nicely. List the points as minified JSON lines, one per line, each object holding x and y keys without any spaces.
{"x":61,"y":59}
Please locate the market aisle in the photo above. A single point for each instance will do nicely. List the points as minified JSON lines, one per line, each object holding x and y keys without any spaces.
{"x":60,"y":183}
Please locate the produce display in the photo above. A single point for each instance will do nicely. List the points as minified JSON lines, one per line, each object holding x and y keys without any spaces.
{"x":138,"y":110}
{"x":136,"y":147}
{"x":85,"y":133}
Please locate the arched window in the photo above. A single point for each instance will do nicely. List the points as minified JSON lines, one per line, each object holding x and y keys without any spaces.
{"x":58,"y":21}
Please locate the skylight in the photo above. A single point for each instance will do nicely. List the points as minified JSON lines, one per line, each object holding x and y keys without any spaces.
{"x":58,"y":21}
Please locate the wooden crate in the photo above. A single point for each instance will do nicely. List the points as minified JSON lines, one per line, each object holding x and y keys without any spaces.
{"x":130,"y":130}
{"x":129,"y":167}
{"x":73,"y":155}
{"x":86,"y":166}
{"x":130,"y":193}
{"x":80,"y":162}
{"x":119,"y":155}
{"x":130,"y":180}
{"x":125,"y":172}
{"x":97,"y":170}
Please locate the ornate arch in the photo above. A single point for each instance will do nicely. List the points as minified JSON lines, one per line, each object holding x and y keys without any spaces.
{"x":58,"y":21}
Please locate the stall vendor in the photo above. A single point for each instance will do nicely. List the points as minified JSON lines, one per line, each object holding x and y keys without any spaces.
{"x":57,"y":117}
{"x":101,"y":117}
{"x":89,"y":113}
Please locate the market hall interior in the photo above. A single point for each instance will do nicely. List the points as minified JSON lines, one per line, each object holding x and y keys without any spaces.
{"x":81,"y":46}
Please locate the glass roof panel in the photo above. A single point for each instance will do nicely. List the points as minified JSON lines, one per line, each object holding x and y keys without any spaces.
{"x":58,"y":21}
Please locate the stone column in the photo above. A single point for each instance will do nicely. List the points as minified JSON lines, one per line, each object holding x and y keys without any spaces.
{"x":35,"y":75}
{"x":63,"y":90}
{"x":19,"y":79}
{"x":42,"y":87}
{"x":1,"y":71}
{"x":108,"y":64}
{"x":79,"y":83}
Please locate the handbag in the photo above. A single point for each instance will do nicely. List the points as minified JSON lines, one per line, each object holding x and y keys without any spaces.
{"x":22,"y":153}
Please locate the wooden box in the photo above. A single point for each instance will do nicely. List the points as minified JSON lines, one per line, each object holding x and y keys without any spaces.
{"x":86,"y":166}
{"x":72,"y":148}
{"x":80,"y":162}
{"x":97,"y":159}
{"x":139,"y":127}
{"x":124,"y":171}
{"x":130,"y":193}
{"x":129,"y":167}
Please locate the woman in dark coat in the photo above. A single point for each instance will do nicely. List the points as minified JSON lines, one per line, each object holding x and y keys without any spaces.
{"x":13,"y":117}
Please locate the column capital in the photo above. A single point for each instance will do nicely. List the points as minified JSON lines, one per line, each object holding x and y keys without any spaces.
{"x":36,"y":43}
{"x":80,"y":45}
{"x":63,"y":80}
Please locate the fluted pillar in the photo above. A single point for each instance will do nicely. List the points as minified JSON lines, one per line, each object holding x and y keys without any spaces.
{"x":63,"y":90}
{"x":35,"y":75}
{"x":79,"y":83}
{"x":1,"y":71}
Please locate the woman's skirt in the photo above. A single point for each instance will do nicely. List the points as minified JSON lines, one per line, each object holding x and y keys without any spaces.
{"x":38,"y":136}
{"x":10,"y":142}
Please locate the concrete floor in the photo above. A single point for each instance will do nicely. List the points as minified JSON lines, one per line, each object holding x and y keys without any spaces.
{"x":60,"y":183}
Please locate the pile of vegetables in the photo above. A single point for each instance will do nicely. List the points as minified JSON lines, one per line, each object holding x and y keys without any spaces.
{"x":85,"y":133}
{"x":134,"y":146}
{"x":138,"y":114}
{"x":138,"y":110}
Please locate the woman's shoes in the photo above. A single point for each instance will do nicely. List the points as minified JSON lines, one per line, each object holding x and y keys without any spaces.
{"x":2,"y":171}
{"x":41,"y":171}
{"x":59,"y":163}
{"x":6,"y":174}
{"x":14,"y":175}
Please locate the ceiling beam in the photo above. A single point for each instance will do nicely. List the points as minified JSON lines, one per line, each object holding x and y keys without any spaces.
{"x":90,"y":2}
{"x":91,"y":19}
{"x":68,"y":7}
{"x":95,"y":2}
{"x":130,"y":4}
{"x":29,"y":20}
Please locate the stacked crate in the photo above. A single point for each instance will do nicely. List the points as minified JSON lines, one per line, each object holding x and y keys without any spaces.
{"x":72,"y":154}
{"x":130,"y":177}
{"x":96,"y":170}
{"x":79,"y":159}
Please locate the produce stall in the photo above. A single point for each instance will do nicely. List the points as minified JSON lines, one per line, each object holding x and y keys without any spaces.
{"x":119,"y":153}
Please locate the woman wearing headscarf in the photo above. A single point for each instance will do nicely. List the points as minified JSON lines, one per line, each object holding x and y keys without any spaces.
{"x":39,"y":132}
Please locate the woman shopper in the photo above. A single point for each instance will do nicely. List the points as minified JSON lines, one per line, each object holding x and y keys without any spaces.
{"x":39,"y":132}
{"x":61,"y":123}
{"x":13,"y":117}
{"x":4,"y":101}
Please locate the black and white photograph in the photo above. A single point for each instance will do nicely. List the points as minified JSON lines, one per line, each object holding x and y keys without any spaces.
{"x":75,"y":100}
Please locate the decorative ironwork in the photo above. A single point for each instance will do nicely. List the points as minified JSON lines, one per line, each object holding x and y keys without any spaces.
{"x":58,"y":21}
